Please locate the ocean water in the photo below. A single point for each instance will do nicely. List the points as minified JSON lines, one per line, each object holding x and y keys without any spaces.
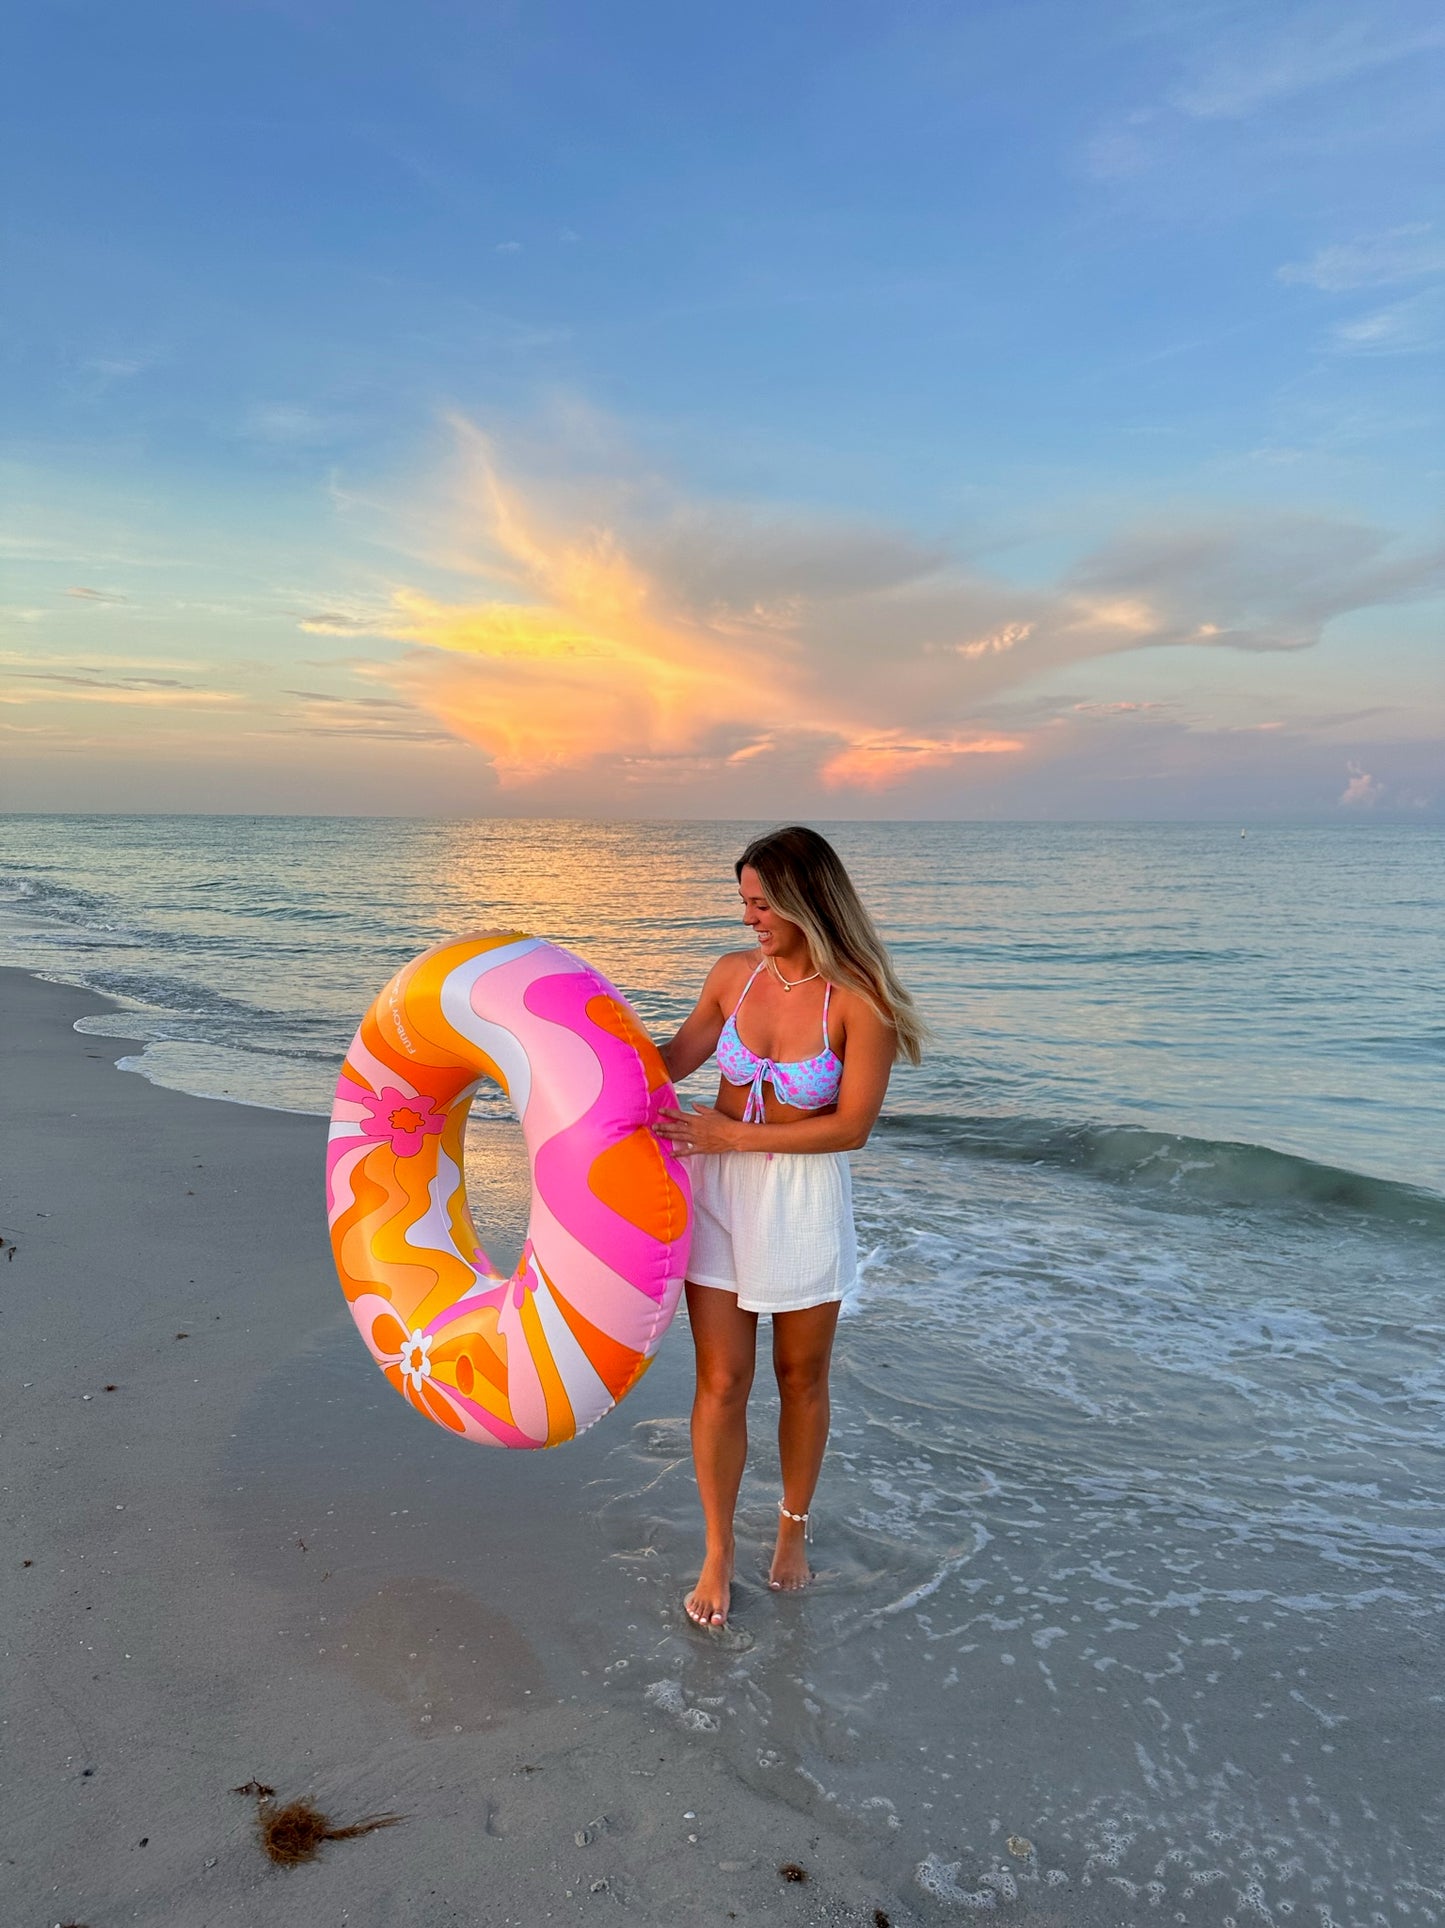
{"x":1132,"y":1537}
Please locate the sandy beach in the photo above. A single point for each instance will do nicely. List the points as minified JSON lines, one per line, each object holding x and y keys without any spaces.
{"x":223,"y":1568}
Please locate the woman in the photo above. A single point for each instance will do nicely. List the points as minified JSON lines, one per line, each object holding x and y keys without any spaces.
{"x":822,"y":1019}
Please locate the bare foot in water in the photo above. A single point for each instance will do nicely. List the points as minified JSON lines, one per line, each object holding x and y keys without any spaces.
{"x":790,"y":1569}
{"x":707,"y":1605}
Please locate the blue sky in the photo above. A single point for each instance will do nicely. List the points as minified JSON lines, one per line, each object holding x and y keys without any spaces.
{"x":975,"y":410}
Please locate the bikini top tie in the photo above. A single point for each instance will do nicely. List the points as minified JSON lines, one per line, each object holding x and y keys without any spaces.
{"x":808,"y":1084}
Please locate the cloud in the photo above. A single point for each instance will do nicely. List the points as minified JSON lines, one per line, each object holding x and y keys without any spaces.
{"x":94,"y":680}
{"x":373,"y":718}
{"x":96,"y":595}
{"x":1319,"y":46}
{"x":879,"y":762}
{"x":1405,"y":253}
{"x":1128,"y":709}
{"x":740,"y":564}
{"x":349,"y":702}
{"x":1262,"y":94}
{"x":286,"y":425}
{"x":152,"y":699}
{"x":508,"y":247}
{"x":995,"y":645}
{"x":1264,"y":581}
{"x":113,"y":368}
{"x":330,"y":622}
{"x":49,"y":662}
{"x":1410,"y":327}
{"x":49,"y":736}
{"x":93,"y":377}
{"x":83,"y":686}
{"x":647,"y":630}
{"x":1362,"y":791}
{"x":111,"y":545}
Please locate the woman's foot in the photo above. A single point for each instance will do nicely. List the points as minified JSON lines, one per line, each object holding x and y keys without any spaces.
{"x":790,"y":1569}
{"x":707,"y":1605}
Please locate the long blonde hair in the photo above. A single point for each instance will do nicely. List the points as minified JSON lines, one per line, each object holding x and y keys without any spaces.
{"x":804,"y":880}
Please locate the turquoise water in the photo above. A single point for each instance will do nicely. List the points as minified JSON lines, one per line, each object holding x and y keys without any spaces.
{"x":1133,"y":1518}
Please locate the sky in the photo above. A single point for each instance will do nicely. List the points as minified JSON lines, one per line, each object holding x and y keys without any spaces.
{"x":1002,"y":409}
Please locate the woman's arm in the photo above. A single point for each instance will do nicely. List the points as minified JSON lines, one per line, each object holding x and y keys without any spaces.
{"x":870,"y":1047}
{"x":696,"y":1041}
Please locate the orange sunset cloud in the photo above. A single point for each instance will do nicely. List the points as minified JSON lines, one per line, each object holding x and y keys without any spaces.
{"x":696,"y":636}
{"x":876,"y":763}
{"x":606,"y":658}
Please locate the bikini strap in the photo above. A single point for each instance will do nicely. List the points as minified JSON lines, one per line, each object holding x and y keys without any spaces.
{"x":746,"y":988}
{"x":827,"y":993}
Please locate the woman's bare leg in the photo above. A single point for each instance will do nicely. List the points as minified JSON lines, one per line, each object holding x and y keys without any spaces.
{"x":802,"y":1349}
{"x":725,"y":1340}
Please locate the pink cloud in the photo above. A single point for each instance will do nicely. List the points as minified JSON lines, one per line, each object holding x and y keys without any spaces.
{"x":1362,"y":791}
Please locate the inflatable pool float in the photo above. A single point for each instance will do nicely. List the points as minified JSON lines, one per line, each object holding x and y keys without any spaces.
{"x":536,"y":1358}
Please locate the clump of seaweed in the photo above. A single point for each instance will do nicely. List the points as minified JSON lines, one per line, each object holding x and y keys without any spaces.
{"x":294,"y":1831}
{"x":790,"y":1871}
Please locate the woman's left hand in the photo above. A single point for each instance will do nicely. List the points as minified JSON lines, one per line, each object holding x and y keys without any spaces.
{"x":692,"y":1131}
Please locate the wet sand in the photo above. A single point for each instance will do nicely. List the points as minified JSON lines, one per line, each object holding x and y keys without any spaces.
{"x":223,"y":1566}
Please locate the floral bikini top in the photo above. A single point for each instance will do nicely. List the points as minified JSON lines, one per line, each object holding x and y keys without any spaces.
{"x":807,"y":1083}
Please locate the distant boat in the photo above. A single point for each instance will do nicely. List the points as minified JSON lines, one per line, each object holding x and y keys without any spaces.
{"x":1244,"y":833}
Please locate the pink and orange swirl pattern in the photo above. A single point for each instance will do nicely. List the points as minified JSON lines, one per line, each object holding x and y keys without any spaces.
{"x":534,"y":1359}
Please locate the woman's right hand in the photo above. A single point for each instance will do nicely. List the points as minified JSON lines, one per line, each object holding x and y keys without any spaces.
{"x":706,"y":1129}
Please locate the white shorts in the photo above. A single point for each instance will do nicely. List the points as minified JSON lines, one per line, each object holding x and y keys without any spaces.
{"x":777,"y":1231}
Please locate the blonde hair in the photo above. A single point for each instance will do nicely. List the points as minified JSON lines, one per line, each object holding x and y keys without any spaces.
{"x":804,"y":880}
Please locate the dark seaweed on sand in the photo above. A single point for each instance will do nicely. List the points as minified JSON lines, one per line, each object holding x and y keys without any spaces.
{"x":295,"y":1831}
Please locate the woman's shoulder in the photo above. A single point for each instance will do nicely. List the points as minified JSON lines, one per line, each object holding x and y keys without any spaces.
{"x":735,"y":966}
{"x":730,"y":973}
{"x":857,"y":1011}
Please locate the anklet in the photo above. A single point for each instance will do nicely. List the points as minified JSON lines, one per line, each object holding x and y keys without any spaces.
{"x":799,"y":1519}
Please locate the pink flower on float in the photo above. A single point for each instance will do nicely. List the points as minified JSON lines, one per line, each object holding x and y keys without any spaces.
{"x":406,"y":1120}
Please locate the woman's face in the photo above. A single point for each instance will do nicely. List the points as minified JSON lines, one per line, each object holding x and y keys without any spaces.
{"x":774,"y":933}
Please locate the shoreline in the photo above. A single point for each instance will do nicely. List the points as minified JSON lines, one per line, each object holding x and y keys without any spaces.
{"x":213,"y":1581}
{"x":1327,"y":1179}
